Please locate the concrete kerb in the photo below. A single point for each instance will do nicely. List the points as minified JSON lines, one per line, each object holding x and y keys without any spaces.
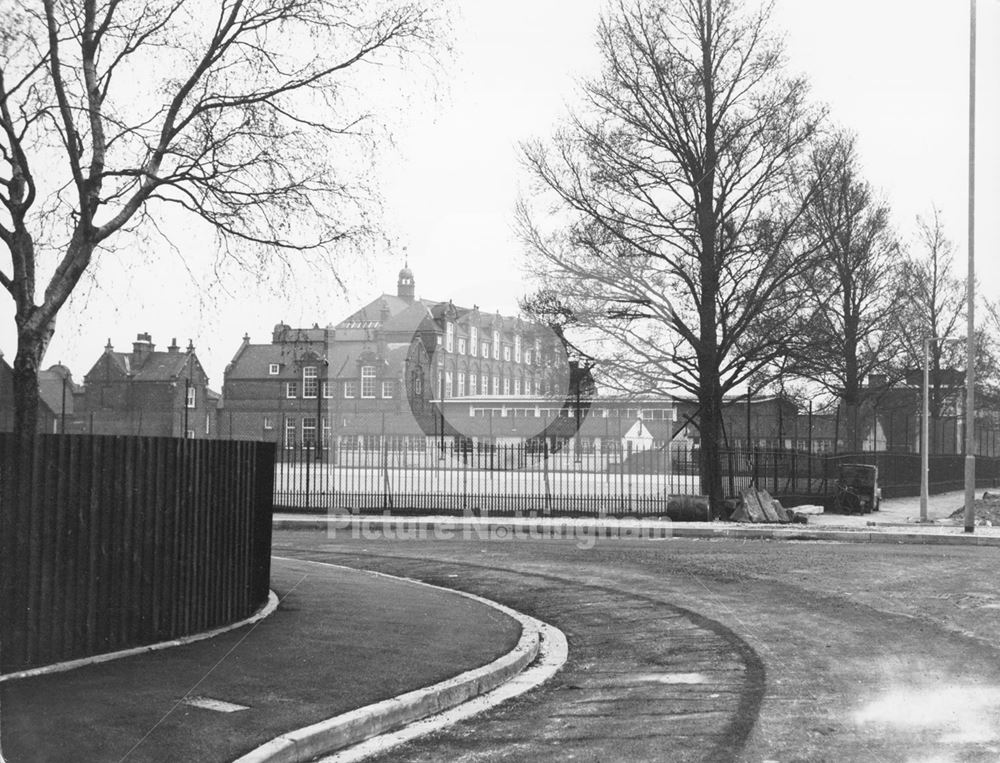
{"x":502,"y":528}
{"x":496,"y":527}
{"x":356,"y":726}
{"x":58,"y":667}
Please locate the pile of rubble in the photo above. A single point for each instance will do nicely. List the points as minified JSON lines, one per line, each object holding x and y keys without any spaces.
{"x":759,"y":507}
{"x":987,"y":511}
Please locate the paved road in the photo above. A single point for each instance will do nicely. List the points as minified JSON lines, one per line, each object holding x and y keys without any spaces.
{"x":725,"y":650}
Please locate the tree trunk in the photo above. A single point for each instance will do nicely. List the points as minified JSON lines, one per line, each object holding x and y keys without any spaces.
{"x":851,"y":436}
{"x":710,"y":467}
{"x":710,"y":461}
{"x":31,"y":346}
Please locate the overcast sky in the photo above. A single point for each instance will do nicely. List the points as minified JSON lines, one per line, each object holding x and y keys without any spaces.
{"x":894,"y":71}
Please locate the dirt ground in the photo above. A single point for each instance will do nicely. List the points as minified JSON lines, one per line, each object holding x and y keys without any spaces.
{"x":987,"y":511}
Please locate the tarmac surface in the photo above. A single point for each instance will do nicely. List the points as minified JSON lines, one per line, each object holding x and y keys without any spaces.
{"x":870,"y":652}
{"x":340,"y":639}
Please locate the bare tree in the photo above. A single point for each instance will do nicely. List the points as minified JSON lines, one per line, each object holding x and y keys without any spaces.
{"x":669,"y":217}
{"x":933,"y":301}
{"x":850,"y":329}
{"x":229,"y":110}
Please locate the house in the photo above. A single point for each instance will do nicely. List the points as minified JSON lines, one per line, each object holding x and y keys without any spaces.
{"x":56,"y":397}
{"x":770,"y":421}
{"x":147,"y":392}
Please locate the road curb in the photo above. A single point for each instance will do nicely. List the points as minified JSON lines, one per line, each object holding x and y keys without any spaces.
{"x":528,"y":528}
{"x":484,"y":528}
{"x":58,"y":667}
{"x":356,"y":726}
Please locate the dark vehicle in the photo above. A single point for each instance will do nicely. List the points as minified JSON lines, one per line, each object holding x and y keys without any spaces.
{"x":653,"y":461}
{"x":857,"y":490}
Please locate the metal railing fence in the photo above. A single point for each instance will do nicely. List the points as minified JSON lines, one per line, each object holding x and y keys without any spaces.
{"x":417,"y":475}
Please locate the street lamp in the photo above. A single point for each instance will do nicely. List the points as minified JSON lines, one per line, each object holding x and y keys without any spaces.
{"x":970,"y":339}
{"x":924,"y":424}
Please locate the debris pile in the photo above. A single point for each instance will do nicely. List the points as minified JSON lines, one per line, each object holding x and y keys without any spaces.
{"x":758,"y":506}
{"x":987,"y":511}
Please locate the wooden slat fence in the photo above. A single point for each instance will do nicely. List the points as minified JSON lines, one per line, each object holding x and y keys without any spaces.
{"x":111,"y":542}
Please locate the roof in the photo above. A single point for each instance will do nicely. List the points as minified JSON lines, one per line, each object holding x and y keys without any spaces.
{"x":383,"y":307}
{"x":161,"y":366}
{"x":252,"y":361}
{"x":51,"y":389}
{"x":409,"y":320}
{"x":44,"y":405}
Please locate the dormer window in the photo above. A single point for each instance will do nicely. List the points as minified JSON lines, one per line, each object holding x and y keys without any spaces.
{"x":517,"y":348}
{"x":496,"y":345}
{"x":449,"y":337}
{"x":473,"y":340}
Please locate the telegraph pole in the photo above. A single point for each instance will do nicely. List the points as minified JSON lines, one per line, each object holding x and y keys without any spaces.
{"x":970,"y":339}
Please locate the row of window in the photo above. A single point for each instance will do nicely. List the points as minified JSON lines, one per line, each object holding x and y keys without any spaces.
{"x":303,"y":432}
{"x":368,"y":386}
{"x":490,"y":347}
{"x":462,"y":385}
{"x":666,"y":414}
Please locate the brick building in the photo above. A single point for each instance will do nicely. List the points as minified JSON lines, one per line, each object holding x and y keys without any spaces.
{"x":401,"y":366}
{"x":147,"y":392}
{"x":56,"y":392}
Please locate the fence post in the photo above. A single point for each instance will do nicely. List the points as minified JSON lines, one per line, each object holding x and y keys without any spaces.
{"x":545,"y":467}
{"x":306,"y":461}
{"x":732,"y":477}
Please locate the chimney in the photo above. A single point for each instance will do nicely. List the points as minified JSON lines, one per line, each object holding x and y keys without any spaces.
{"x":141,"y":347}
{"x":173,"y":345}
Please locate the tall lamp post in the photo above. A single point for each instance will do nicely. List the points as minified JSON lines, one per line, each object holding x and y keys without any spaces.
{"x":924,"y":425}
{"x":970,"y":348}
